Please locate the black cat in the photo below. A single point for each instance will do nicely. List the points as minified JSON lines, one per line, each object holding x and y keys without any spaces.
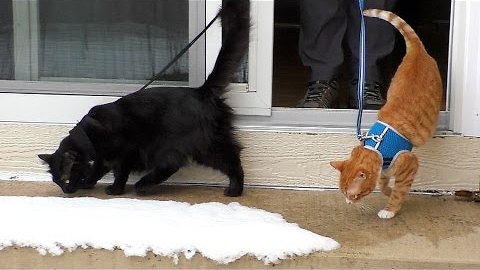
{"x":158,"y":130}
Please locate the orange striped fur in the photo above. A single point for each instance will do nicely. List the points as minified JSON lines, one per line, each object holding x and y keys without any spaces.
{"x":412,"y":107}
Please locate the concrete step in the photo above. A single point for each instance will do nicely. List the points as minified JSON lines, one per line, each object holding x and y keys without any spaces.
{"x":429,"y":232}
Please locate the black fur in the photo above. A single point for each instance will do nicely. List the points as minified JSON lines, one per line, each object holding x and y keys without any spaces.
{"x":159,"y":129}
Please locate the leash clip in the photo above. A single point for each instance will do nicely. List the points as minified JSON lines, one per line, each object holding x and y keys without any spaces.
{"x":375,"y":138}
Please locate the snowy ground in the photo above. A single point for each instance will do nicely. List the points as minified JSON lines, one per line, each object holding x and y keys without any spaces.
{"x":217,"y":231}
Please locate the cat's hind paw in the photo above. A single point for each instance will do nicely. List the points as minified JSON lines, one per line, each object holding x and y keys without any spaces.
{"x":385,"y":214}
{"x":233,"y":192}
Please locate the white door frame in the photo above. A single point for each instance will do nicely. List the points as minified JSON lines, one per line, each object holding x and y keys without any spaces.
{"x":465,"y":67}
{"x":256,"y":99}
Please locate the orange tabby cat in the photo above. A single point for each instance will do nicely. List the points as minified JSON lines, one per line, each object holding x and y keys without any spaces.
{"x":412,"y":109}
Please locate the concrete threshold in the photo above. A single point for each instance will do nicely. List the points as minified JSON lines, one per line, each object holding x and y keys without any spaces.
{"x":429,"y":232}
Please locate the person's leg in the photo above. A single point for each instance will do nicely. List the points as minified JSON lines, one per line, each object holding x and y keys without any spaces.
{"x":323,"y":26}
{"x":380,"y":42}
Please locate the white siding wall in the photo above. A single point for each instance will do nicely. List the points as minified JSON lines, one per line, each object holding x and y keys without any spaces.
{"x":270,"y":159}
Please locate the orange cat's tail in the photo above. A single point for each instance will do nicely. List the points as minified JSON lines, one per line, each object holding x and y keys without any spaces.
{"x":411,"y":38}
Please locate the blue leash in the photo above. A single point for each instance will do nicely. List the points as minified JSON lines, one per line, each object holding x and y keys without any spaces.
{"x":361,"y":70}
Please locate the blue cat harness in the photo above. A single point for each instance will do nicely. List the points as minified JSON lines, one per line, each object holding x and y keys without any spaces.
{"x":387,"y":142}
{"x":381,"y":138}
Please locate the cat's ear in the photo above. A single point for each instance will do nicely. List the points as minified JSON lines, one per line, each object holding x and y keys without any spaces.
{"x":45,"y":157}
{"x":337,"y":165}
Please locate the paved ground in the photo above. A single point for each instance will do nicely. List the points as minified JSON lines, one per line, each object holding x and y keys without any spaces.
{"x":429,"y":232}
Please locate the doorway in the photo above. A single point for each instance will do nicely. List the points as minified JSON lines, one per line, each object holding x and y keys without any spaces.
{"x":430,"y":19}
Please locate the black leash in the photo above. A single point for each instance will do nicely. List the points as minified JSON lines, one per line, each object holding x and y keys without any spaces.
{"x":182,"y":52}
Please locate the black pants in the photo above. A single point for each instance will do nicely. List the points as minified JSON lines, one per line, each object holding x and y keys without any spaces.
{"x":326,"y":24}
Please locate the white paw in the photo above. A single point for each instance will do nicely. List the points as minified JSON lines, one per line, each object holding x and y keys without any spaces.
{"x":385,"y":214}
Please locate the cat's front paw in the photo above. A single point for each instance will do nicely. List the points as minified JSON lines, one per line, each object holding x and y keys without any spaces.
{"x":114,"y":190}
{"x":385,"y":214}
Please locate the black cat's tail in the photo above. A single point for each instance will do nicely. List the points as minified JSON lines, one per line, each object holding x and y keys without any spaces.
{"x":235,"y":16}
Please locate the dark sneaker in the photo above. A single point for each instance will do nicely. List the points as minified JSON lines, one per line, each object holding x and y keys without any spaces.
{"x":320,"y":94}
{"x":372,"y":96}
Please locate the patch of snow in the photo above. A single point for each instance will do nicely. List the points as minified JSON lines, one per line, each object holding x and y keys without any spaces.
{"x":221,"y":232}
